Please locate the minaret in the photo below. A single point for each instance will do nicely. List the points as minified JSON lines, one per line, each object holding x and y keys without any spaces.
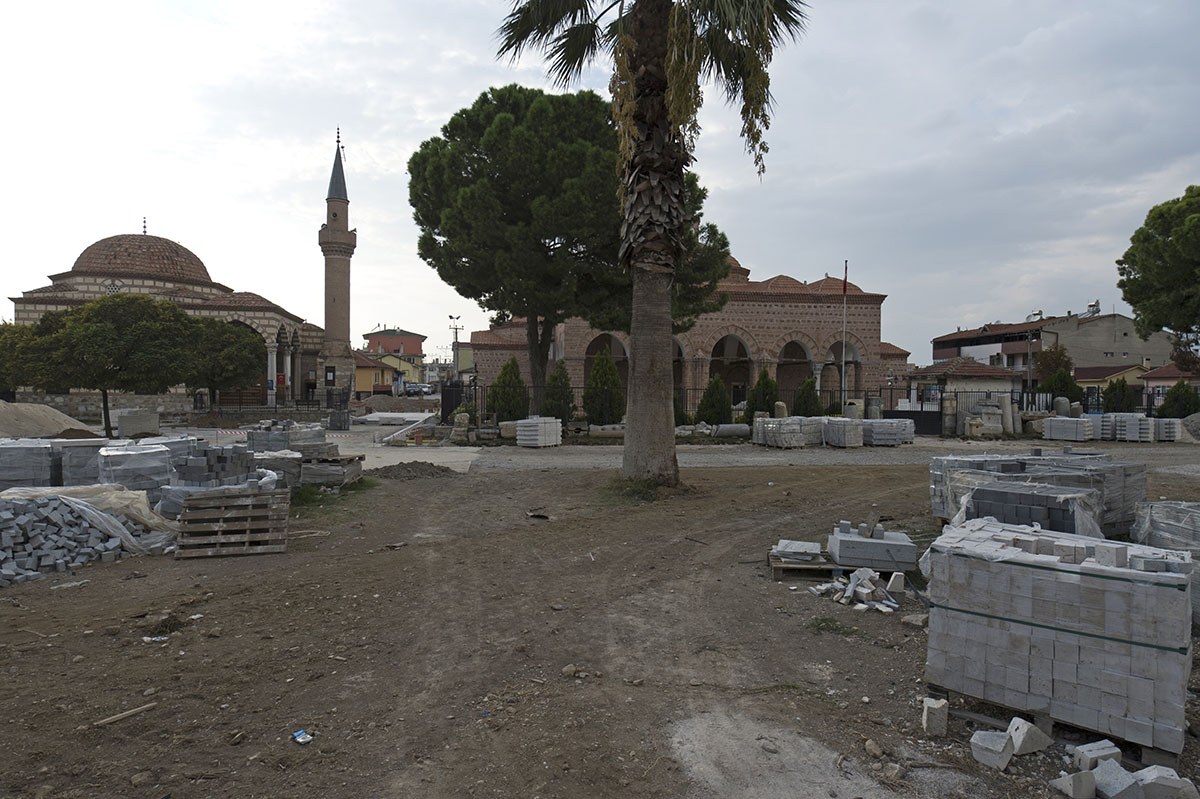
{"x":337,"y":242}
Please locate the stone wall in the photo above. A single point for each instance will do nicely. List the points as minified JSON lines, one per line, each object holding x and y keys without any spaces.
{"x":86,"y":406}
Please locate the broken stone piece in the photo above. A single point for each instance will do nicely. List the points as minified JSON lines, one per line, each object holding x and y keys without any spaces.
{"x":1114,"y":782}
{"x":1027,"y":738}
{"x":1077,"y":786}
{"x":916,"y":620}
{"x":935,"y":716}
{"x":1089,"y":755}
{"x":993,"y":749}
{"x":1160,"y":782}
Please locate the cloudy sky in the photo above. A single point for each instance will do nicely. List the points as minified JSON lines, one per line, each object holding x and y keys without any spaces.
{"x":974,"y":161}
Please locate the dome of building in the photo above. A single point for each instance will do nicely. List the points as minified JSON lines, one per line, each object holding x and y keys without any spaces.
{"x":140,"y":255}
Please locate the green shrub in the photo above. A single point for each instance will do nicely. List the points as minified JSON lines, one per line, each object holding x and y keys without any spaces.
{"x":807,"y":401}
{"x":558,"y":400}
{"x":834,"y":409}
{"x":714,"y":405}
{"x":1181,"y":400}
{"x":507,"y":397}
{"x":603,"y":400}
{"x":1118,"y":397}
{"x":1061,"y":384}
{"x":763,"y":396}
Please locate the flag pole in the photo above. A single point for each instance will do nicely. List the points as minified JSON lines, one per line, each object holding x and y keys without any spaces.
{"x":845,"y":277}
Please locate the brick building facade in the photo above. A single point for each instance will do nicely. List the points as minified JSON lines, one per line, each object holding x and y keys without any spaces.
{"x":791,"y":328}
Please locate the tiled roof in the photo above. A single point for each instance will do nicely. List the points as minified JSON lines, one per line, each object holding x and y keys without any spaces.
{"x":886,"y":348}
{"x":997,"y":329}
{"x":370,"y":363}
{"x":141,"y":255}
{"x":394,"y":331}
{"x":185,"y":293}
{"x":1169,"y":372}
{"x":56,"y":288}
{"x":1101,"y":372}
{"x":963,"y":367}
{"x":246,"y":301}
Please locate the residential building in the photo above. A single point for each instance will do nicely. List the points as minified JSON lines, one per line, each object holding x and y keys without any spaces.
{"x":371,"y":376}
{"x":1157,"y":382}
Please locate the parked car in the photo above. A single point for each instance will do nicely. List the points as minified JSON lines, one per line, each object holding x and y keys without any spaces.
{"x":413,"y":390}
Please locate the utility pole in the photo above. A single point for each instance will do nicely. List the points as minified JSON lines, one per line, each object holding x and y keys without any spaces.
{"x":455,"y":326}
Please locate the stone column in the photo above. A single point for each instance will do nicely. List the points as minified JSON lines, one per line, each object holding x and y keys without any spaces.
{"x":271,"y":349}
{"x":287,"y":373}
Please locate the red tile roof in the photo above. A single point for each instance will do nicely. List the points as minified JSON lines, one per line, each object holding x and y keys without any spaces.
{"x":134,"y":255}
{"x":963,"y":367}
{"x":886,"y":348}
{"x":995,"y":330}
{"x":1169,"y":372}
{"x":368,"y":362}
{"x":1101,"y":372}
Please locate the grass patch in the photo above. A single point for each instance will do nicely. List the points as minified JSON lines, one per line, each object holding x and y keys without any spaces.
{"x":315,"y":498}
{"x":828,"y":624}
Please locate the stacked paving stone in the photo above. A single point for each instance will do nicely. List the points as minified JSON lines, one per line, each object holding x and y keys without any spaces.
{"x":1111,"y":422}
{"x":25,"y":462}
{"x":539,"y":431}
{"x":1172,"y":525}
{"x":1065,"y":510}
{"x":841,"y":432}
{"x":180,"y":447}
{"x":888,"y":432}
{"x":210,"y":467}
{"x":1061,"y":428}
{"x":306,"y":438}
{"x":77,"y":460}
{"x":138,"y":467}
{"x":874,"y":548}
{"x":1134,"y":427}
{"x":1096,"y":635}
{"x":43,"y":535}
{"x":1167,"y":429}
{"x":783,"y":433}
{"x":1121,"y":485}
{"x":287,"y":465}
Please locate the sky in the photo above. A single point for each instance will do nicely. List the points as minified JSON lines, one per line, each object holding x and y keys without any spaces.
{"x":974,"y":161}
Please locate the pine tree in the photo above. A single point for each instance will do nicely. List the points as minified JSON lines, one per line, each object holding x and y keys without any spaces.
{"x":603,"y":400}
{"x":507,"y":397}
{"x":1181,"y":400}
{"x":558,"y":400}
{"x":1061,"y":384}
{"x":1118,"y":397}
{"x":762,"y":396}
{"x":807,"y":402}
{"x":714,"y":405}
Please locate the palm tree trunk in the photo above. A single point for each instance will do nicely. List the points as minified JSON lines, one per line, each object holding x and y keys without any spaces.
{"x":654,"y":215}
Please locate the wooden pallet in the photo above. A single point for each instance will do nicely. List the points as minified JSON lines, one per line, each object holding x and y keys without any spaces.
{"x":1050,"y":725}
{"x":246,"y":522}
{"x":815,"y":569}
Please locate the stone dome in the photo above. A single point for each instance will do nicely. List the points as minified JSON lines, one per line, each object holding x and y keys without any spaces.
{"x":139,"y":255}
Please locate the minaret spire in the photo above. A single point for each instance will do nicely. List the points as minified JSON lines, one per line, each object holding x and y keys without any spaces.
{"x":337,"y":180}
{"x":337,"y":242}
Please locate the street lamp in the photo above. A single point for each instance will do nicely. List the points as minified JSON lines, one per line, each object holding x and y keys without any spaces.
{"x":455,"y":326}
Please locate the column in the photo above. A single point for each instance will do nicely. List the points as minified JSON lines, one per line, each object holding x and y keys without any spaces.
{"x":271,"y":349}
{"x":287,"y":373}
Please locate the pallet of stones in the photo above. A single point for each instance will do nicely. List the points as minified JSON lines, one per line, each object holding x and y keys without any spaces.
{"x":43,"y":535}
{"x":874,"y":548}
{"x":242,"y":521}
{"x":888,"y":432}
{"x":789,"y":559}
{"x":338,"y":471}
{"x":843,"y":432}
{"x":1092,"y":634}
{"x":271,"y":436}
{"x":539,"y":431}
{"x":1064,"y":510}
{"x":211,"y":466}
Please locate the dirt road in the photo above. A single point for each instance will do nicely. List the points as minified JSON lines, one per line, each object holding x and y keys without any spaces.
{"x":422,"y":631}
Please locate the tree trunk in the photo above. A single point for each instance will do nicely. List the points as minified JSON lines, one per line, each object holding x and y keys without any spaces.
{"x":107,"y":421}
{"x":537,"y":341}
{"x":651,"y":246}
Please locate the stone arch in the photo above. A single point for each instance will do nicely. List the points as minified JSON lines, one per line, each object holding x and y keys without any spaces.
{"x":794,"y":356}
{"x":731,"y":358}
{"x":830,"y":365}
{"x":618,"y":348}
{"x":253,"y":324}
{"x":706,"y":345}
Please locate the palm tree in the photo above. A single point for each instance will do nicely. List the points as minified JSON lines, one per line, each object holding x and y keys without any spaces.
{"x":662,"y":50}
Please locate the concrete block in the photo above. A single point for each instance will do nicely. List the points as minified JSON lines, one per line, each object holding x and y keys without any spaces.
{"x":895,"y":586}
{"x":1077,"y":786}
{"x":935,"y":716}
{"x":1089,"y":755}
{"x":993,"y":749}
{"x":1027,"y":738}
{"x":1114,"y":782}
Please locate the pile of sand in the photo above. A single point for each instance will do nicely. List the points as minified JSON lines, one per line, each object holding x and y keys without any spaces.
{"x":30,"y":420}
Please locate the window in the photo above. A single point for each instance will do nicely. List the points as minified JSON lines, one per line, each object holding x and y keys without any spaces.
{"x":112,"y":288}
{"x":1108,"y":355}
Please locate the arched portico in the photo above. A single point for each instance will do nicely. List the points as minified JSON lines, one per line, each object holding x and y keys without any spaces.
{"x":616,"y":348}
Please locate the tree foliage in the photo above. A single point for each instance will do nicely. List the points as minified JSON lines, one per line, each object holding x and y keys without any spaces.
{"x":662,"y":52}
{"x":714,"y":403}
{"x":762,"y":396}
{"x":1118,"y":397}
{"x":558,"y":400}
{"x":122,"y":342}
{"x":603,"y":399}
{"x":229,"y":356}
{"x":1050,"y":360}
{"x":1160,"y":274}
{"x":1180,"y":401}
{"x":508,"y":397}
{"x":516,"y":200}
{"x":15,"y":343}
{"x":1061,"y":384}
{"x":807,"y":401}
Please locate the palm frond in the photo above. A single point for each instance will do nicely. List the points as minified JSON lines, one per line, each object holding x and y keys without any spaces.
{"x":572,"y":50}
{"x":745,"y":20}
{"x":536,"y":23}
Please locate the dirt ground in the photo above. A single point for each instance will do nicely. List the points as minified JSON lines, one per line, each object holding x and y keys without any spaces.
{"x":514,"y":633}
